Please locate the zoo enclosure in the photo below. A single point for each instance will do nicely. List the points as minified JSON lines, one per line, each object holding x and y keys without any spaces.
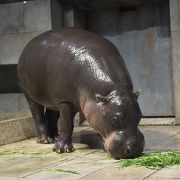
{"x":146,"y":35}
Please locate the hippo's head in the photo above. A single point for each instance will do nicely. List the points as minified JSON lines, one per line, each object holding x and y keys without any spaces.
{"x":116,"y":119}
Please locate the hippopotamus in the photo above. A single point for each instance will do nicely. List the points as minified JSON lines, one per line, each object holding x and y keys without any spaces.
{"x":70,"y":70}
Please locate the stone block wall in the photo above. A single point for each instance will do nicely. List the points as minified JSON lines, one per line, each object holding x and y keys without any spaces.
{"x":19,"y":23}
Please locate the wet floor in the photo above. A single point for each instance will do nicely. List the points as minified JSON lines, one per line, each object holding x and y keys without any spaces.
{"x":29,"y":160}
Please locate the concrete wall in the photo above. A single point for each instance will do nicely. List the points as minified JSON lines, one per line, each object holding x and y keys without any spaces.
{"x":142,"y":36}
{"x":19,"y":23}
{"x":175,"y":59}
{"x":175,"y":35}
{"x":8,"y":74}
{"x":73,"y":17}
{"x":13,"y":106}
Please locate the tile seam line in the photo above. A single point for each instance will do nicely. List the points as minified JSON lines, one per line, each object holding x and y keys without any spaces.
{"x":162,"y":141}
{"x":91,"y":173}
{"x":151,"y":174}
{"x":53,"y":164}
{"x":97,"y":170}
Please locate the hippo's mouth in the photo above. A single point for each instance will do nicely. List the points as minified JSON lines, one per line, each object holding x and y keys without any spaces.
{"x":124,"y":147}
{"x":121,"y":155}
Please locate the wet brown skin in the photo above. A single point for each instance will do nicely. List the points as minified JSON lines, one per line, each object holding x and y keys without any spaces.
{"x":70,"y":70}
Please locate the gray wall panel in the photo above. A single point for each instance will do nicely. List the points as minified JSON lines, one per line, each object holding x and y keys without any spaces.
{"x":37,"y":16}
{"x":143,"y":38}
{"x":11,"y":46}
{"x":11,"y":18}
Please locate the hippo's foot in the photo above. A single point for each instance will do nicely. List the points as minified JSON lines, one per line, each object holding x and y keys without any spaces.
{"x":61,"y":147}
{"x":45,"y":140}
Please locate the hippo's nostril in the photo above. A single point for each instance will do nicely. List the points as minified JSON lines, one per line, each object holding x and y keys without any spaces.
{"x":128,"y":150}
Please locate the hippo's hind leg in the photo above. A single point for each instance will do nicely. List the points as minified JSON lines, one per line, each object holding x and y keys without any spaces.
{"x":65,"y":129}
{"x":39,"y":118}
{"x":52,"y":119}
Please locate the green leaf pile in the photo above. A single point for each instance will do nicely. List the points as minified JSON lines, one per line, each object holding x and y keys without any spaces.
{"x":154,"y":160}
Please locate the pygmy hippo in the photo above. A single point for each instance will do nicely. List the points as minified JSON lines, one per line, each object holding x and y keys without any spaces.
{"x":68,"y":70}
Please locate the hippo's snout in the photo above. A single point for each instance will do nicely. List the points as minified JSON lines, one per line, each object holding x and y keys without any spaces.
{"x":122,"y":146}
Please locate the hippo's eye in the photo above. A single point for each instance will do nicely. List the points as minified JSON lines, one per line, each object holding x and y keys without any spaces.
{"x":116,"y":121}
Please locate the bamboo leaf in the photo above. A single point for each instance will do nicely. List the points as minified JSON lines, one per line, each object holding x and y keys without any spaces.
{"x":154,"y":160}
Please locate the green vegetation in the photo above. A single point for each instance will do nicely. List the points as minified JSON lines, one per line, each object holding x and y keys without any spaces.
{"x":23,"y":151}
{"x":10,"y":152}
{"x":154,"y":160}
{"x":42,"y":152}
{"x":58,"y":170}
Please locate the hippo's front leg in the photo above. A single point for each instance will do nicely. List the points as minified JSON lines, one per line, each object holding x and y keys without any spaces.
{"x":65,"y":129}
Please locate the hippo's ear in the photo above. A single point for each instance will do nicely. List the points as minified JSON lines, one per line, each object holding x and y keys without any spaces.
{"x":136,"y":94}
{"x":101,"y":98}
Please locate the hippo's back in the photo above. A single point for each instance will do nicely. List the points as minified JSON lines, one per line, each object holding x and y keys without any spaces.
{"x":56,"y":64}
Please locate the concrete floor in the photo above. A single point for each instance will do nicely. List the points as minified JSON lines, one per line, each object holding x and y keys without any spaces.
{"x":29,"y":160}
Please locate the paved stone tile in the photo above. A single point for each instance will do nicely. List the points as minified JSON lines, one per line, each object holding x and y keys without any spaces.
{"x":21,"y":166}
{"x":172,"y":143}
{"x":10,"y":178}
{"x":112,"y":172}
{"x":30,"y":160}
{"x":67,"y":171}
{"x":169,"y":172}
{"x":160,"y":178}
{"x":156,"y":134}
{"x":26,"y":157}
{"x":75,"y":168}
